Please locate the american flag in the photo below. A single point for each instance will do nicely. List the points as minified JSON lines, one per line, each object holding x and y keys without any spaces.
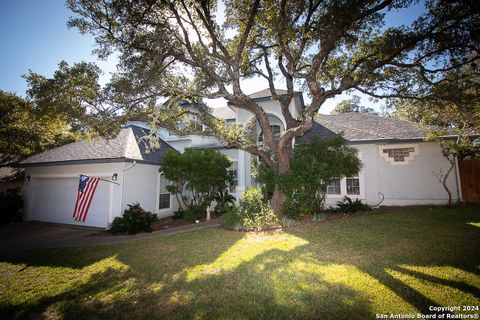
{"x":86,"y":189}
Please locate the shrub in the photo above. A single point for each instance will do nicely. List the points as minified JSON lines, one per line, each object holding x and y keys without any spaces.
{"x":11,"y":204}
{"x":134,"y":220}
{"x":224,"y":201}
{"x":349,"y":205}
{"x":252,"y":214}
{"x":195,"y":212}
{"x":179,"y":214}
{"x":232,"y":218}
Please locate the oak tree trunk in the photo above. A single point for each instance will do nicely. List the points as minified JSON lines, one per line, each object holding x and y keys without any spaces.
{"x":279,"y":197}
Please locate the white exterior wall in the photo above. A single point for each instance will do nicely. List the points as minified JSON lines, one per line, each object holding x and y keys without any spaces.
{"x":141,"y":184}
{"x":411,"y":184}
{"x":34,"y":176}
{"x":138,"y":183}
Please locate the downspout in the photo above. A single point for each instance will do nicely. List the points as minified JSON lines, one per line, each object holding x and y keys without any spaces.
{"x":123,"y":180}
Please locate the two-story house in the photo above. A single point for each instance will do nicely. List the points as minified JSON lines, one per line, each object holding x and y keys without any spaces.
{"x":397,"y":163}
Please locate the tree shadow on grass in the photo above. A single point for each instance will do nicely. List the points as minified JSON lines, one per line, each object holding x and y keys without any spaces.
{"x":184,"y":277}
{"x":142,"y":253}
{"x":148,"y":261}
{"x":439,"y":239}
{"x":256,"y":289}
{"x":259,"y":288}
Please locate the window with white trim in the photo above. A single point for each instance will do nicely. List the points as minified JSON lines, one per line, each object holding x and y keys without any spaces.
{"x":276,"y":130}
{"x":164,"y":195}
{"x":334,"y":187}
{"x":353,"y":185}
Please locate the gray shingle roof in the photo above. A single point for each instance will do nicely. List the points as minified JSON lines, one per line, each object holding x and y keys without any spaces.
{"x":364,"y":127}
{"x":127,"y":145}
{"x":223,"y":112}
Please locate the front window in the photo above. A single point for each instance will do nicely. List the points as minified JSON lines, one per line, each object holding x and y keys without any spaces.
{"x":334,"y":187}
{"x":353,"y":185}
{"x":164,"y":195}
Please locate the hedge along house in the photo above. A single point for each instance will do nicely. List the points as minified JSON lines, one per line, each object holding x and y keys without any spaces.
{"x":397,"y":163}
{"x":52,"y":177}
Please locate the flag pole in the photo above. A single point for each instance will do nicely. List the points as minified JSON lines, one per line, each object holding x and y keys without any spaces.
{"x":106,"y":180}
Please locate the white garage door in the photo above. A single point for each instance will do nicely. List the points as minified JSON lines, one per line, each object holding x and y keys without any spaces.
{"x":54,"y":201}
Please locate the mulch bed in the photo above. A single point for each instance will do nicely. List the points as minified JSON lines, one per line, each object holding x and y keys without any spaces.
{"x":169,"y":222}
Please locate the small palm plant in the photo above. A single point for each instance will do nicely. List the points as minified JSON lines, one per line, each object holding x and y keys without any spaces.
{"x":224,"y":200}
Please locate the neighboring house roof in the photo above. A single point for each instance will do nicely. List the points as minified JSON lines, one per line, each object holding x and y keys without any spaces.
{"x":223,"y":112}
{"x":127,"y":145}
{"x":356,"y":126}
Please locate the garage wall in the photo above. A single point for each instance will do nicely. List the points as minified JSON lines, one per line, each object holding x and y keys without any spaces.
{"x":54,"y":201}
{"x":50,"y":193}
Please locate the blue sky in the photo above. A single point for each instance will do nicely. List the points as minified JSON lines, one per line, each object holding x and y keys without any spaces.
{"x":34,"y":35}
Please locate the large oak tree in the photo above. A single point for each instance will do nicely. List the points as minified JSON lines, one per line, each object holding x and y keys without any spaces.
{"x":26,"y":129}
{"x":193,"y":50}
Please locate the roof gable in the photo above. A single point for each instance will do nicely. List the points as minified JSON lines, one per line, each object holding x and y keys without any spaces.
{"x":127,"y":145}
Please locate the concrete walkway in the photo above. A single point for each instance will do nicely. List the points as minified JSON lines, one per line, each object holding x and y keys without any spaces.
{"x":36,"y":235}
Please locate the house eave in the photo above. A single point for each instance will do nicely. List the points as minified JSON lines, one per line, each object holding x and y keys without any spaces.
{"x":85,"y":161}
{"x":269,"y":98}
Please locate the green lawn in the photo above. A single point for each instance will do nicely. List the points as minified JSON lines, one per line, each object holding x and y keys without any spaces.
{"x":398,"y":262}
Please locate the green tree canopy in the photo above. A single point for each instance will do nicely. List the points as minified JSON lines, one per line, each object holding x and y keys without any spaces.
{"x":26,"y":129}
{"x":352,"y":105}
{"x":196,"y":175}
{"x":451,"y":108}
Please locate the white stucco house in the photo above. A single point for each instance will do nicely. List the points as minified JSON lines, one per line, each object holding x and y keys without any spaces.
{"x":397,"y":163}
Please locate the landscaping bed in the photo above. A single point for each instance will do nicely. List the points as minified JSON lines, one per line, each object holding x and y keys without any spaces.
{"x":170,"y":222}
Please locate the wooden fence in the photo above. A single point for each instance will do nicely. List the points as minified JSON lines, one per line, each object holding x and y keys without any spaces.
{"x":470,"y":179}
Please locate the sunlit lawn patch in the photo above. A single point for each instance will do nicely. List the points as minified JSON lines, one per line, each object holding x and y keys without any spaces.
{"x":399,"y":262}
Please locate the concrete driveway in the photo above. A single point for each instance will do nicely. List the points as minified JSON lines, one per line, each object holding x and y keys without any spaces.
{"x":23,"y":236}
{"x":36,"y":235}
